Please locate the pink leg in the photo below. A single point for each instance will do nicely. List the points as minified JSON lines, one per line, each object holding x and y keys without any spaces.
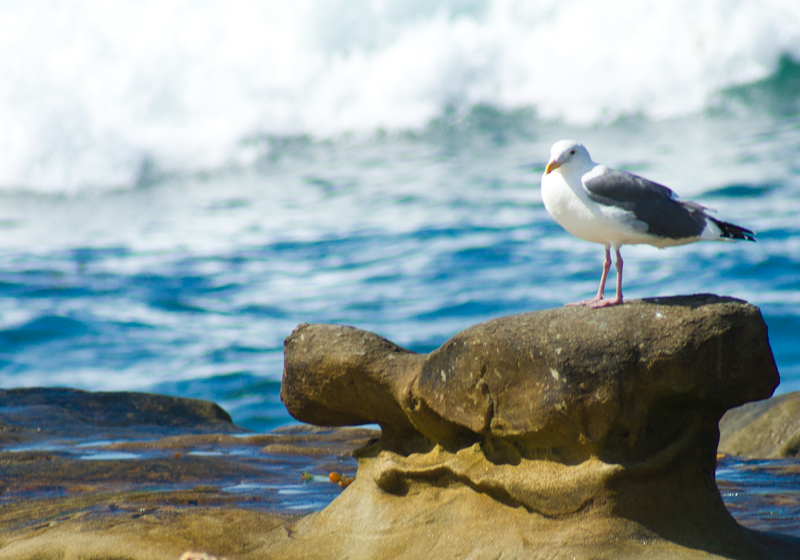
{"x":618,"y":297}
{"x":598,"y":300}
{"x":606,"y":267}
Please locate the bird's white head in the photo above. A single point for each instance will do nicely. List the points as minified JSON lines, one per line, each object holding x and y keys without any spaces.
{"x":567,"y":154}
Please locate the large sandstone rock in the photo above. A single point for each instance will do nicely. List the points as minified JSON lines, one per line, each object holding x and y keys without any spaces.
{"x":567,"y":433}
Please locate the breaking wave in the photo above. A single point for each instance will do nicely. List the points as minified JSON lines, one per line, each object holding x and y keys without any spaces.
{"x":98,"y":96}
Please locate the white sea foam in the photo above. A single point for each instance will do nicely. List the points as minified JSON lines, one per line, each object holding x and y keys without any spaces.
{"x":92,"y":93}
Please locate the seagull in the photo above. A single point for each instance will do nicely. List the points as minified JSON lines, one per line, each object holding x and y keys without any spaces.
{"x":616,"y":208}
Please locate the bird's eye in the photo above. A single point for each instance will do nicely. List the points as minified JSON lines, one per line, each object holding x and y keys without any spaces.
{"x":572,"y":152}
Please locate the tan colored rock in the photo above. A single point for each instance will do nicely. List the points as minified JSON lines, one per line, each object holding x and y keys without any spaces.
{"x":768,"y":429}
{"x":134,"y":526}
{"x":567,"y":433}
{"x":56,"y":506}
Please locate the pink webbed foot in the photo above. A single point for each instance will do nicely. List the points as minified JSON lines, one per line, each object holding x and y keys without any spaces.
{"x":604,"y":303}
{"x":595,"y":303}
{"x":584,"y":303}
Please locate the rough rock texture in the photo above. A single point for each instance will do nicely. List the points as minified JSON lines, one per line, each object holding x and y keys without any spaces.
{"x":767,"y":429}
{"x":563,"y":433}
{"x":133,"y":526}
{"x":67,"y":493}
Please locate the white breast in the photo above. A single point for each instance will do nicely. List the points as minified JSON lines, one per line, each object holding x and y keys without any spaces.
{"x":566,"y":200}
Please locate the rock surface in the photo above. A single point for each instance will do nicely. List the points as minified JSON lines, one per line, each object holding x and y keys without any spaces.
{"x":139,"y":476}
{"x":567,"y":433}
{"x":767,"y":429}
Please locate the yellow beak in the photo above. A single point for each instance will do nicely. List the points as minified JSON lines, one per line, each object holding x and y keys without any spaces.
{"x":552,"y":164}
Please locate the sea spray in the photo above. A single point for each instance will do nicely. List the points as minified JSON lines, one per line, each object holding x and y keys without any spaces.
{"x":111,"y":96}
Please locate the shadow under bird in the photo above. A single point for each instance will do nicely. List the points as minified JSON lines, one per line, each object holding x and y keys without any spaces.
{"x":616,"y":208}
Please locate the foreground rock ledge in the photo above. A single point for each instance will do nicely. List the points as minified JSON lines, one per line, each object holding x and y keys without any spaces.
{"x":574,"y":433}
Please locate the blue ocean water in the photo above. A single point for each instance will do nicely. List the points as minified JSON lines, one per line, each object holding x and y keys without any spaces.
{"x":175,"y":197}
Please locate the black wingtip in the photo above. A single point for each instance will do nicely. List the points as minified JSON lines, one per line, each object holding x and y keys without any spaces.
{"x":732,"y":231}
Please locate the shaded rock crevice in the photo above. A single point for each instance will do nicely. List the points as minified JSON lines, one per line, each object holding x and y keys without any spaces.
{"x":500,"y":479}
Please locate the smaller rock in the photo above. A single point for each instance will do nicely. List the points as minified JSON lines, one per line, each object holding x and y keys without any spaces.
{"x":43,"y":413}
{"x":768,"y":429}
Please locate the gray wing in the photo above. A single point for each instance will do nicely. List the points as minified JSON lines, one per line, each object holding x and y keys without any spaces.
{"x":652,"y":204}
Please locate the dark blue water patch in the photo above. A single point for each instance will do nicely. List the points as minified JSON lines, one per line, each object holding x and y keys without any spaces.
{"x":730,"y":268}
{"x":68,"y":272}
{"x":87,"y":255}
{"x":590,"y":273}
{"x":320,"y":250}
{"x":42,"y":329}
{"x":175,"y":283}
{"x":383,"y":279}
{"x":742,"y":190}
{"x":469,"y":265}
{"x":43,"y":283}
{"x":426,"y":346}
{"x":461,"y":230}
{"x":472,"y":310}
{"x":374,"y":306}
{"x":260,"y":421}
{"x":428,"y":234}
{"x":775,"y":272}
{"x":227,"y":386}
{"x":38,"y":283}
{"x":236,"y":261}
{"x":359,"y":250}
{"x":57,"y":292}
{"x":354,"y":252}
{"x":41,"y":287}
{"x":265,"y":311}
{"x":179,"y":293}
{"x":58,"y":346}
{"x":8,"y":287}
{"x":503,"y":253}
{"x":784,"y":336}
{"x":778,"y":234}
{"x":235,"y":352}
{"x":176,"y":305}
